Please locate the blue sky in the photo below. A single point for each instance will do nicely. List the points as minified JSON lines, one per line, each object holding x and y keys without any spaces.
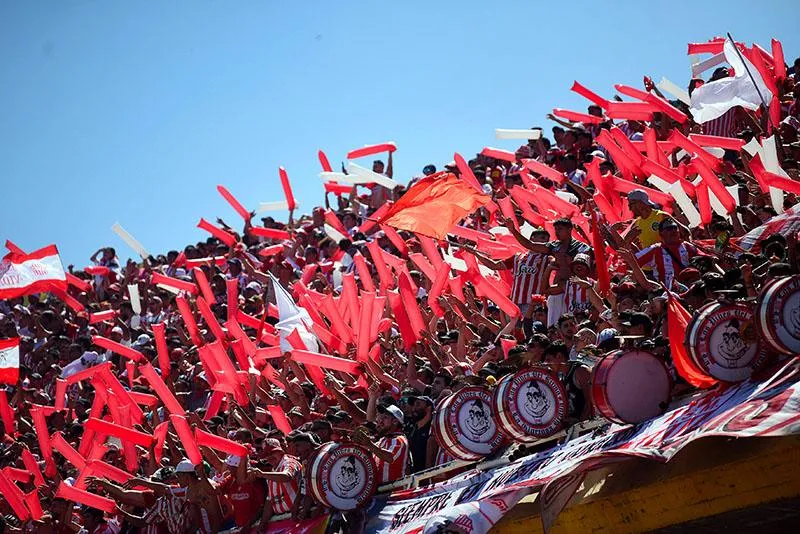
{"x":134,"y":111}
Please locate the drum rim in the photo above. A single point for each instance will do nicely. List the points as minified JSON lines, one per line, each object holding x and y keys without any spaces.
{"x":502,"y":403}
{"x":454,"y":444}
{"x":598,"y":389}
{"x":315,"y":473}
{"x":761,"y":351}
{"x":765,"y":305}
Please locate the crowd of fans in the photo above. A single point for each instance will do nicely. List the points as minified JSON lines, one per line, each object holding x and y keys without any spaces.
{"x":565,"y":323}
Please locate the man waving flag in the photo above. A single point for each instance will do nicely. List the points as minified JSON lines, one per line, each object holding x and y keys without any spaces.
{"x":37,"y":272}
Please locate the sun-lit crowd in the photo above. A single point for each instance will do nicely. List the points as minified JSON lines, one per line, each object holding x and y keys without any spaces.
{"x":567,"y":321}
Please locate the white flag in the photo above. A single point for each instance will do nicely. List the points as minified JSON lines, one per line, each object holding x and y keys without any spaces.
{"x":715,"y":98}
{"x":291,"y":317}
{"x":9,"y":361}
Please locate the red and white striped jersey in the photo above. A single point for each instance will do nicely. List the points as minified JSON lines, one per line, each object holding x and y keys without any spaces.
{"x":529,"y":274}
{"x":576,"y":298}
{"x":397,"y":444}
{"x":722,"y":126}
{"x":169,"y":509}
{"x":283,"y":494}
{"x":661,"y":261}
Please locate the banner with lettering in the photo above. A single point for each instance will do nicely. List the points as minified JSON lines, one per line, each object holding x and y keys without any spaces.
{"x":25,"y":274}
{"x":767,"y":405}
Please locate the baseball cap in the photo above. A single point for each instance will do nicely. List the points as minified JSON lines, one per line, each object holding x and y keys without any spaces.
{"x":143,"y":339}
{"x":233,"y":461}
{"x":606,"y":334}
{"x":184,"y":466}
{"x":640,"y":195}
{"x":667,"y":224}
{"x":581,"y":258}
{"x":254,"y":286}
{"x":639,"y":319}
{"x":394,"y":411}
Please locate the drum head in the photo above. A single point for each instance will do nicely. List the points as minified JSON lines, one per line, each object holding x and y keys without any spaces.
{"x":537,"y":403}
{"x":470,"y":418}
{"x":638,"y":386}
{"x":344,"y":476}
{"x":726,"y":343}
{"x":779,"y":311}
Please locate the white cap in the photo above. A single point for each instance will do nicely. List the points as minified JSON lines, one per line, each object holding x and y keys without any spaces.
{"x":90,"y":356}
{"x":143,"y":339}
{"x":233,"y":461}
{"x":184,"y":466}
{"x":394,"y":411}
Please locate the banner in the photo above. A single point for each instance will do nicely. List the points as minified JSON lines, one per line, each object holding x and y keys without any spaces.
{"x":770,"y":407}
{"x":37,"y":272}
{"x":9,"y":361}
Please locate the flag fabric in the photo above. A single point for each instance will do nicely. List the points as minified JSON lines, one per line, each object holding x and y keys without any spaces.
{"x":292,"y":317}
{"x":677,"y":324}
{"x":9,"y":361}
{"x":26,"y":274}
{"x":787,"y":224}
{"x":714,"y":99}
{"x":434,"y":205}
{"x":603,"y":275}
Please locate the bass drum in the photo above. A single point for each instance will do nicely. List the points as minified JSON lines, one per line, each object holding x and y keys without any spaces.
{"x":778,"y":315}
{"x":464,"y":424}
{"x":723,"y":341}
{"x":631,"y":386}
{"x":530,"y":405}
{"x":342,"y":476}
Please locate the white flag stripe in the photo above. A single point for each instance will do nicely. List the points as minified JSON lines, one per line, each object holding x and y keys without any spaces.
{"x":714,"y":99}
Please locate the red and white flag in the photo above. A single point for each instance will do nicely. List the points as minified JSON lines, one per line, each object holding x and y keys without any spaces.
{"x":37,"y":272}
{"x":9,"y":361}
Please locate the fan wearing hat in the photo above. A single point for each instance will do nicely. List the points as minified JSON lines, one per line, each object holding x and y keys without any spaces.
{"x":671,"y":256}
{"x":194,"y":489}
{"x":391,"y":451}
{"x":648,"y":217}
{"x":283,"y":481}
{"x":242,"y":487}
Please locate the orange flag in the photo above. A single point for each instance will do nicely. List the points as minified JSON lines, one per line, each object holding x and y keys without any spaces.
{"x":446,"y":196}
{"x":677,"y":324}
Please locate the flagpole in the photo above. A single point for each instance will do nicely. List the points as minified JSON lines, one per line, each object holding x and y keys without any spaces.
{"x":752,"y":79}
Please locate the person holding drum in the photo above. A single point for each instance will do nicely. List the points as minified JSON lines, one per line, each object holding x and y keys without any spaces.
{"x":391,"y":451}
{"x":575,"y":377}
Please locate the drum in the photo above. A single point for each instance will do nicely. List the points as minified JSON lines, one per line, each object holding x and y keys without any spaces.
{"x":778,"y":315}
{"x":631,"y":386}
{"x":722,"y":340}
{"x":342,"y":476}
{"x":529,"y":405}
{"x":464,"y":424}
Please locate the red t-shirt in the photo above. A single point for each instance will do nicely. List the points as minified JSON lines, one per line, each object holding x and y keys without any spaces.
{"x":246,"y":499}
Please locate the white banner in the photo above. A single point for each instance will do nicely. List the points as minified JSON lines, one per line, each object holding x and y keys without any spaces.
{"x":769,"y":408}
{"x":36,"y":272}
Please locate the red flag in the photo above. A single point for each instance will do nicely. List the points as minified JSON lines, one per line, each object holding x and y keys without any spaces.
{"x":677,"y":323}
{"x":26,"y":274}
{"x":507,"y":345}
{"x":9,"y":361}
{"x":603,"y":276}
{"x":448,"y":197}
